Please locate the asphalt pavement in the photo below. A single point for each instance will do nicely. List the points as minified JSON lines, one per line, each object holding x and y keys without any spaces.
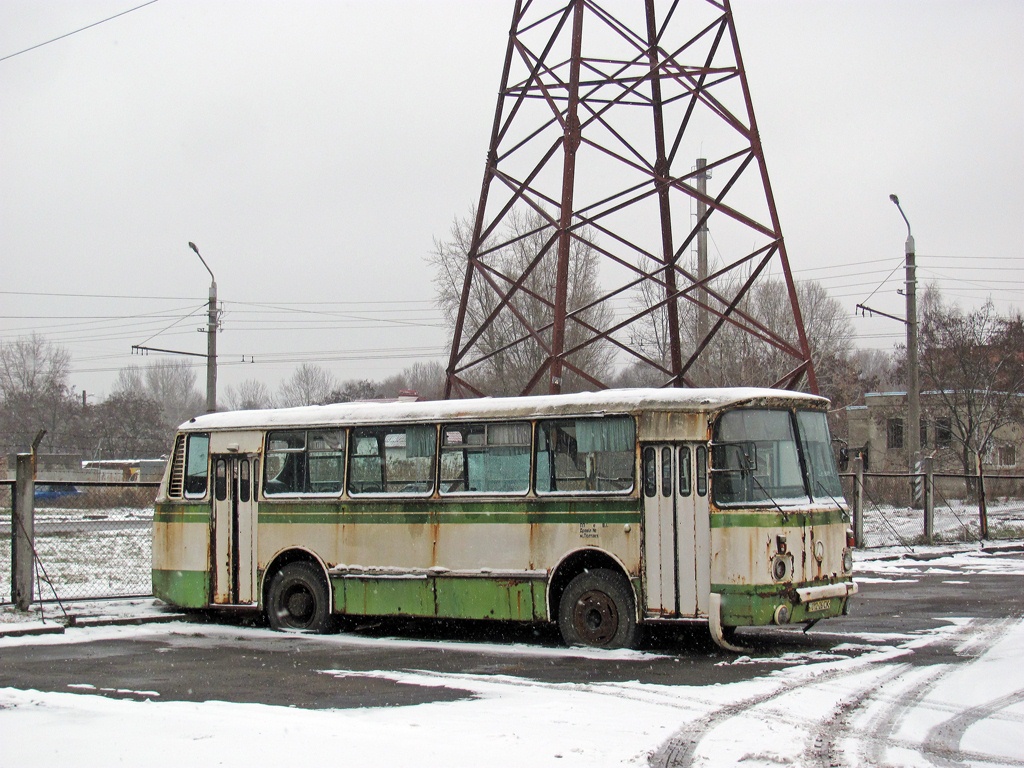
{"x":229,"y":657}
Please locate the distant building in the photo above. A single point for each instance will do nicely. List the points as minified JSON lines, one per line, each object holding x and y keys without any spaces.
{"x":877,"y":431}
{"x":70,"y":468}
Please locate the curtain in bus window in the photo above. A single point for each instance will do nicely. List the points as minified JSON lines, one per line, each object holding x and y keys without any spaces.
{"x":326,"y":460}
{"x":586,"y":455}
{"x":405,"y":465}
{"x":197,"y":461}
{"x":817,"y":445}
{"x":366,"y":470}
{"x":755,"y":459}
{"x":485,"y":458}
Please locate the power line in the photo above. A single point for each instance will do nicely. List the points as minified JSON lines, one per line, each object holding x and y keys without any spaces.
{"x":75,"y":32}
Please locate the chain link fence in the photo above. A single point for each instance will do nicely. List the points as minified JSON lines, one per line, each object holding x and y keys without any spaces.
{"x":92,"y":539}
{"x":894,"y":508}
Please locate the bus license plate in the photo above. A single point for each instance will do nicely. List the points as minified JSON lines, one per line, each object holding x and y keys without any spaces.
{"x":818,"y":605}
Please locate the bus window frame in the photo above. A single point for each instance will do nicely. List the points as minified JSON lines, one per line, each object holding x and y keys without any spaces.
{"x":304,"y":453}
{"x":385,"y":429}
{"x":185,"y":492}
{"x":539,"y":428}
{"x":443,"y":429}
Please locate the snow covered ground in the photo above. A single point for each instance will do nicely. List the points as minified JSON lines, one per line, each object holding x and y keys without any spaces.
{"x":863,"y":703}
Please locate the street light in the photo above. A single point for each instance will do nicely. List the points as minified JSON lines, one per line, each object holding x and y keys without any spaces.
{"x":211,"y":338}
{"x":913,"y":385}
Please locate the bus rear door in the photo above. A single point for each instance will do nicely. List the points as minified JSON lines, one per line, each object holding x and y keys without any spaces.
{"x":234,"y":529}
{"x":676,"y":530}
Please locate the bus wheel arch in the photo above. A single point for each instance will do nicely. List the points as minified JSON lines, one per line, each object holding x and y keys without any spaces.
{"x":297,"y":593}
{"x":592,"y":599}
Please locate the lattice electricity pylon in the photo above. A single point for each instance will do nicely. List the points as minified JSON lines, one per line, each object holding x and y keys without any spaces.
{"x":588,"y":249}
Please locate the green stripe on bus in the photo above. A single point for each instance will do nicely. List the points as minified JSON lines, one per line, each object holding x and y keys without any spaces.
{"x":422,"y":513}
{"x":182,"y":513}
{"x":775,"y":519}
{"x":526,"y":517}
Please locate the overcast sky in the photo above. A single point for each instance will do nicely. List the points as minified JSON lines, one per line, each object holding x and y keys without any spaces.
{"x":314,"y":150}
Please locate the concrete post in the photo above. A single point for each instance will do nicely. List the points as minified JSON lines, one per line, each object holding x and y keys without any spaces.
{"x":927,"y":465}
{"x":858,"y":500}
{"x":23,"y":533}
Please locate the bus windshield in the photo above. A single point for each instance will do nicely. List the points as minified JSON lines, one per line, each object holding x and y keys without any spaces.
{"x":756,"y":458}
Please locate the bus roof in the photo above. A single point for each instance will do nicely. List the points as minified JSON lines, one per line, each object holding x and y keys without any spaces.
{"x":604,"y":401}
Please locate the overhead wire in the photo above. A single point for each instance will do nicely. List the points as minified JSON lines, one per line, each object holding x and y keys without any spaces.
{"x":75,"y":32}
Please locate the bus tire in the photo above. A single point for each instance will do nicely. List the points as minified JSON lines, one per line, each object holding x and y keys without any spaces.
{"x":298,"y":600}
{"x":597,"y":609}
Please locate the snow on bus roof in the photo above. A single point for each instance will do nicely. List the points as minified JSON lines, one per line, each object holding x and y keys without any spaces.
{"x":604,"y":401}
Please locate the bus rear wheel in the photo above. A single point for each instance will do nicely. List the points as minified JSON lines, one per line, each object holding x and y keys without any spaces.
{"x":298,"y":600}
{"x":597,"y":610}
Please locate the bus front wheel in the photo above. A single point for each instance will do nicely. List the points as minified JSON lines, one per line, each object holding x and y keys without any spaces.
{"x":597,"y":610}
{"x":298,"y":599}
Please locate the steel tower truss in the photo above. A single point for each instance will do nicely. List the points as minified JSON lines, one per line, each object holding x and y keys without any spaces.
{"x":603,"y":111}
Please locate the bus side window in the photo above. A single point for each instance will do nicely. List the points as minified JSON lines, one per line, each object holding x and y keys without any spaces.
{"x":702,"y":470}
{"x":393,"y":459}
{"x":485,"y":458}
{"x":197,"y":467}
{"x":286,"y":463}
{"x":586,"y":455}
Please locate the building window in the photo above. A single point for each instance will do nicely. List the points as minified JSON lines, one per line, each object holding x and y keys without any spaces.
{"x":894,"y":434}
{"x":1008,"y":456}
{"x":943,"y":433}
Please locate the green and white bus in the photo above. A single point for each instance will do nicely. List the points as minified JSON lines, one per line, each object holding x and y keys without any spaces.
{"x":602,"y":511}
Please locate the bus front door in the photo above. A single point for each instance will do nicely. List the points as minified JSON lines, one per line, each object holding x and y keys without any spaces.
{"x":676,"y":530}
{"x":233,"y":537}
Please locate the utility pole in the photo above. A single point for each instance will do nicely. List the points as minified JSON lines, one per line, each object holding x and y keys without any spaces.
{"x":211,"y":339}
{"x":913,"y":438}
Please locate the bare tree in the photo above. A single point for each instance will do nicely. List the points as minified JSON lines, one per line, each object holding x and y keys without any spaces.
{"x":735,"y":356}
{"x":425,"y":379}
{"x":172,"y":383}
{"x":508,"y":354}
{"x":33,"y":366}
{"x":309,"y":385}
{"x":974,"y":363}
{"x":35,"y":393}
{"x":250,"y":395}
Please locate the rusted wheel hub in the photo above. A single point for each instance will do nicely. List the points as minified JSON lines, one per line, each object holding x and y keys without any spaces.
{"x":596,"y":617}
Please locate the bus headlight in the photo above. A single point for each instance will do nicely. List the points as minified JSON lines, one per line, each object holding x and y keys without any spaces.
{"x":782,"y":615}
{"x":782,"y":567}
{"x":847,"y":560}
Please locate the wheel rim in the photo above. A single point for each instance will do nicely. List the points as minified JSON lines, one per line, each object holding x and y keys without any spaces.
{"x":299,"y":606}
{"x":595,"y":618}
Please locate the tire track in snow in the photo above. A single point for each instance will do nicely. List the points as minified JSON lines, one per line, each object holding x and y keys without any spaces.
{"x":942,"y":742}
{"x":823,"y":748}
{"x":822,"y":745}
{"x":680,"y":749}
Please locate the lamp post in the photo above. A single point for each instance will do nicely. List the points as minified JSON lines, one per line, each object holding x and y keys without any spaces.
{"x":913,"y":385}
{"x":211,"y":339}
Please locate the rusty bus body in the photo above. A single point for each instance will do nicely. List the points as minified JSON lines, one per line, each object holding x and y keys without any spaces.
{"x":599,"y":511}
